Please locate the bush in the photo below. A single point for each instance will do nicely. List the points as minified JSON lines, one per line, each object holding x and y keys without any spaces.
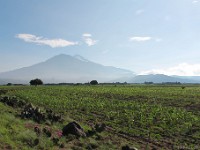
{"x":36,"y":82}
{"x":93,"y":82}
{"x":9,"y":84}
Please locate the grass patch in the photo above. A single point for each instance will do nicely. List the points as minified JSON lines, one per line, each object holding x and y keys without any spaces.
{"x":162,"y":116}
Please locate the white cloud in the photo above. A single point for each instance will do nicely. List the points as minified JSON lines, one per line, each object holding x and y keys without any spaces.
{"x":88,"y":40}
{"x":144,"y":39}
{"x":195,"y":1}
{"x":183,"y":69}
{"x":140,"y":38}
{"x":139,"y":12}
{"x":87,"y":35}
{"x":44,"y":41}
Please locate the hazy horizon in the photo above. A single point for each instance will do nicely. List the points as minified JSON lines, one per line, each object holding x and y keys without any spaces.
{"x":146,"y":37}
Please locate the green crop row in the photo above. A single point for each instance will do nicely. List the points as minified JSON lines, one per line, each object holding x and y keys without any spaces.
{"x":160,"y":114}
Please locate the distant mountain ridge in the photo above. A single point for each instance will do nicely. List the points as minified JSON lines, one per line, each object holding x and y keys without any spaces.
{"x":66,"y":68}
{"x":161,"y":78}
{"x":76,"y":69}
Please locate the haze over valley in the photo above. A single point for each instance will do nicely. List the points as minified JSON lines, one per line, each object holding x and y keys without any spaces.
{"x":76,"y":69}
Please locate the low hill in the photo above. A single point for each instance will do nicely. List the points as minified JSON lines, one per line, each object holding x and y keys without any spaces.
{"x":160,"y":78}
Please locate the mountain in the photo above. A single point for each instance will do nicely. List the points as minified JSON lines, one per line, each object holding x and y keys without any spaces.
{"x":77,"y":69}
{"x":194,"y":78}
{"x":66,"y":68}
{"x":160,"y":78}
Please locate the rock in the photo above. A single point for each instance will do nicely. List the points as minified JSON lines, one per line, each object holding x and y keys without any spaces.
{"x":21,"y":103}
{"x":98,"y":137}
{"x":12,"y":101}
{"x":37,"y":130}
{"x":49,"y":111}
{"x":62,"y":145}
{"x":49,"y":116}
{"x":56,"y":117}
{"x":48,"y":122}
{"x":33,"y":112}
{"x":38,"y":115}
{"x":100,"y":127}
{"x":30,"y":111}
{"x":74,"y":129}
{"x":91,"y":133}
{"x":36,"y":142}
{"x":126,"y":147}
{"x":91,"y":146}
{"x":47,"y":132}
{"x":55,"y":140}
{"x":53,"y":117}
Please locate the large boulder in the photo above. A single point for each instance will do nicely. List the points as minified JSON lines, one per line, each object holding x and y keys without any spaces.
{"x":74,"y":129}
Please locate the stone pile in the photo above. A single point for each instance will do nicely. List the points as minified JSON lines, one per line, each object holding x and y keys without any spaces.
{"x":29,"y":111}
{"x":35,"y":113}
{"x":53,"y":116}
{"x":12,"y":101}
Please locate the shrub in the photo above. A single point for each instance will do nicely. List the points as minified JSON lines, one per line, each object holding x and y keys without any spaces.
{"x":93,"y":82}
{"x":36,"y":82}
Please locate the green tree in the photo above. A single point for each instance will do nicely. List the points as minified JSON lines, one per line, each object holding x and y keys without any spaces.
{"x":36,"y":82}
{"x":93,"y":82}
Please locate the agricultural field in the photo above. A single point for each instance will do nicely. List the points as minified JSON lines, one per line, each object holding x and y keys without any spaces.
{"x":133,"y":116}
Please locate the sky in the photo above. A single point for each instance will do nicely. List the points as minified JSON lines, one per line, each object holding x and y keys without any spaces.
{"x":144,"y":36}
